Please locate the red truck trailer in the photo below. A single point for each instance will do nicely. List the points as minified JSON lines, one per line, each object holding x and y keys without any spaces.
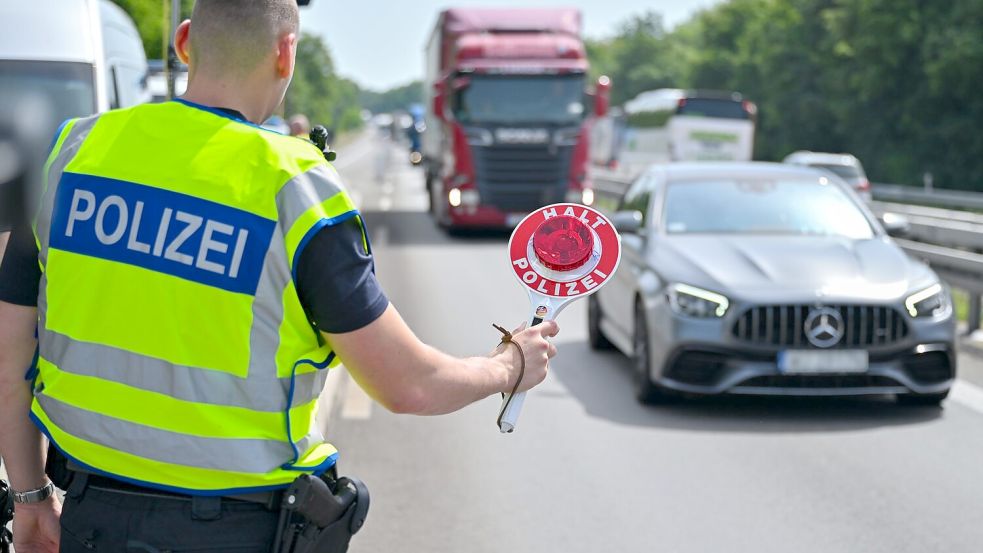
{"x":508,"y":114}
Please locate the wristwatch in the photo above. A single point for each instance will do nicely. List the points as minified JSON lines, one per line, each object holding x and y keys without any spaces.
{"x":33,"y":496}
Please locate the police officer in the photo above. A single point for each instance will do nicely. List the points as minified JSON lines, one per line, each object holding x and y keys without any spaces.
{"x":190,"y":277}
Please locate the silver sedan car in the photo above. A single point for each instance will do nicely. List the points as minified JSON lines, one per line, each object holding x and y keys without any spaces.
{"x":759,"y":278}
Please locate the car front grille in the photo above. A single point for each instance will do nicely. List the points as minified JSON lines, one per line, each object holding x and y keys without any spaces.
{"x":784,"y":326}
{"x":521,"y":178}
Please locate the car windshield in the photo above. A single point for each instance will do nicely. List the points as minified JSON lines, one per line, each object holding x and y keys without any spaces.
{"x":557,"y":99}
{"x":760,"y":206}
{"x":45,"y":92}
{"x":846,"y":172}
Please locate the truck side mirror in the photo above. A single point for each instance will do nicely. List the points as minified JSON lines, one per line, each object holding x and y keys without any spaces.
{"x":602,"y":96}
{"x":439,"y":100}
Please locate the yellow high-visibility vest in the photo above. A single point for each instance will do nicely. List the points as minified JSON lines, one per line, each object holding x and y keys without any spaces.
{"x":173,"y":349}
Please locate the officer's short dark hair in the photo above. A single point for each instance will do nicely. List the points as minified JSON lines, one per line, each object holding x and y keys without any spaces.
{"x":234,"y":35}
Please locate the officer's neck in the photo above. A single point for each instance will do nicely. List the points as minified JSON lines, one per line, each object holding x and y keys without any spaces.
{"x":222,"y":95}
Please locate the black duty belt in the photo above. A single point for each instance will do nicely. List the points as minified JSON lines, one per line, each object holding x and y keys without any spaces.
{"x":270,"y":499}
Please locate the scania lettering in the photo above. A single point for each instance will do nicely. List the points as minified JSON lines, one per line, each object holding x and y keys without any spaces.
{"x":508,"y":116}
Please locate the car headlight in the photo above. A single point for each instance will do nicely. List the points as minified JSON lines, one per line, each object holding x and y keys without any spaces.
{"x":930,"y":302}
{"x":697,"y":302}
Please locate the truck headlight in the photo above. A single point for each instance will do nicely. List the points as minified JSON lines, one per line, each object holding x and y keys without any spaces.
{"x":930,"y":302}
{"x":697,"y":302}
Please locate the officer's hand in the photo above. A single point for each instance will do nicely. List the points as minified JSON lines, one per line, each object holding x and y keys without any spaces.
{"x":36,"y":527}
{"x":537,"y":350}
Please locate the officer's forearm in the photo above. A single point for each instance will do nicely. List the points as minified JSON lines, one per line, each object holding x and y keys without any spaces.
{"x":407,"y":376}
{"x":21,"y":444}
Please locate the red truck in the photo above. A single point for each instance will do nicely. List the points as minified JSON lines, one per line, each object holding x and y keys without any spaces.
{"x":508,"y":114}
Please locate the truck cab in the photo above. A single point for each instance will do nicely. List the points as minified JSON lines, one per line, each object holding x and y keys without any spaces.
{"x":508,"y":116}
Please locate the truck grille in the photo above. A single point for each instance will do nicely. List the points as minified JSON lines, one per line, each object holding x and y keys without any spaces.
{"x":521,"y":178}
{"x":784,"y":326}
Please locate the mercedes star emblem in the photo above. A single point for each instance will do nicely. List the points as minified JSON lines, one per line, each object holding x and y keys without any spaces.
{"x":824,"y":327}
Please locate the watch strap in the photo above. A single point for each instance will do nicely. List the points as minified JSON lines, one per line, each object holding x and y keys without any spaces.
{"x":33,"y":496}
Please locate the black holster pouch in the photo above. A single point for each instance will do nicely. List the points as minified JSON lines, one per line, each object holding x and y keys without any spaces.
{"x":321,"y":514}
{"x":6,"y":515}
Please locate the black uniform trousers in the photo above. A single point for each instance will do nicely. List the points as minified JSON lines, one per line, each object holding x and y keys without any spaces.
{"x":101,"y":518}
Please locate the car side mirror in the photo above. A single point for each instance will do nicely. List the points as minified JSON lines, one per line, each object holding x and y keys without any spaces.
{"x":627,"y":222}
{"x":895,"y":225}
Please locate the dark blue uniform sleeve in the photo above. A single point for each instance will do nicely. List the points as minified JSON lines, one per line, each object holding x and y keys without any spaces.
{"x":336,"y":280}
{"x":20,"y":274}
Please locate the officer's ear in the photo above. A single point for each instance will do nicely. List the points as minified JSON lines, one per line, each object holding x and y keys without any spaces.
{"x":286,"y":52}
{"x":182,"y":44}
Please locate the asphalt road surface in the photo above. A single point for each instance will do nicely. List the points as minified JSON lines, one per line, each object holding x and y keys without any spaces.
{"x":588,"y":469}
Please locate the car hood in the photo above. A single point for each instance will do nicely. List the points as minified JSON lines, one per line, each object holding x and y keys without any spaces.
{"x":810,"y":266}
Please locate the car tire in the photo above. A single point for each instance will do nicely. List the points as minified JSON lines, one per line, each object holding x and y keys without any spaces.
{"x":921,"y":400}
{"x":646,"y":391}
{"x":595,"y":336}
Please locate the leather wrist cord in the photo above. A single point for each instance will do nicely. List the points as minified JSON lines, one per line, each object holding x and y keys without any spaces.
{"x":507,"y":339}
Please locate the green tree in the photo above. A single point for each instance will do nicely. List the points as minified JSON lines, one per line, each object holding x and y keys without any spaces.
{"x":396,"y":98}
{"x":317,"y":91}
{"x":896,"y":82}
{"x":149,"y":18}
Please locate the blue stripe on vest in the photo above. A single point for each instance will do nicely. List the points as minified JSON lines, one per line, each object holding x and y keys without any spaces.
{"x":160,"y":230}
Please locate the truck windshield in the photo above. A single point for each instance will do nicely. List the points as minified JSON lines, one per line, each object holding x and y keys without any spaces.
{"x":42,"y":94}
{"x":556,"y":99}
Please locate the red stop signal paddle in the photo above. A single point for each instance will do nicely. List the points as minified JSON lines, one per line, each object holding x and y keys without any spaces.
{"x":559,"y":253}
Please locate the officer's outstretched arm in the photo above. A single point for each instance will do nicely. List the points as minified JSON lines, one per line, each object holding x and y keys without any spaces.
{"x":407,"y":376}
{"x":20,"y":441}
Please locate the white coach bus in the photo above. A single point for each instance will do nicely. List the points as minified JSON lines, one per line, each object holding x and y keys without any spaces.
{"x":668,"y":125}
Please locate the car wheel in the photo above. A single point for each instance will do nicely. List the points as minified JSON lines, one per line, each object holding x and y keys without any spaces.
{"x":595,"y":336}
{"x":646,"y":391}
{"x":921,"y":400}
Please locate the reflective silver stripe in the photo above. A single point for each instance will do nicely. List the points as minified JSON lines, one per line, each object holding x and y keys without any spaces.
{"x":69,"y":148}
{"x":313,"y":438}
{"x":267,"y":308}
{"x":261,"y":391}
{"x":305,"y":191}
{"x":226,"y":454}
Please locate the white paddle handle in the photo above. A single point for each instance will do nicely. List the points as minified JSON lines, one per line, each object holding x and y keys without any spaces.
{"x":508,"y":415}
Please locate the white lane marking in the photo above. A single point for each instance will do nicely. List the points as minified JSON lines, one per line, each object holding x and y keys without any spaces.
{"x":358,"y":405}
{"x":968,"y":395}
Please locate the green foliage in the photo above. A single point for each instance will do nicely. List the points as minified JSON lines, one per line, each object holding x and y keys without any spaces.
{"x":895,"y":82}
{"x":398,"y":98}
{"x":318,"y":92}
{"x":149,"y":18}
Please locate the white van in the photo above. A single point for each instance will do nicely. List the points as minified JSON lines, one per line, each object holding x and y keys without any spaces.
{"x":67,"y":58}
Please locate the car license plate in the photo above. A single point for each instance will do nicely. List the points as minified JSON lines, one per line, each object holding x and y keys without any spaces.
{"x":823,"y":362}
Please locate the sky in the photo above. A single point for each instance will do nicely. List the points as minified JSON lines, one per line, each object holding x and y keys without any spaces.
{"x":379,"y":43}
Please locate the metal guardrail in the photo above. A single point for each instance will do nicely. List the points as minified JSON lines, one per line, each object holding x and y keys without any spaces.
{"x":950,"y":241}
{"x":937,"y":197}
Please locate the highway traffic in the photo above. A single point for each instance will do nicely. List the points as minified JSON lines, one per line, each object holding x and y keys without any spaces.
{"x":589,"y":469}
